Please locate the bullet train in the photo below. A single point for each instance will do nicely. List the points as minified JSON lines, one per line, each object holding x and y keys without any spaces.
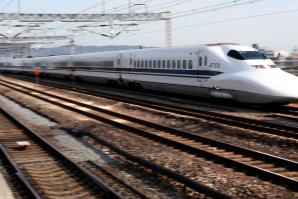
{"x":226,"y":71}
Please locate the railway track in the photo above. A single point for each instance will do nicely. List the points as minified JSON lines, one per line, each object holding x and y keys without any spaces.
{"x":156,"y":168}
{"x":246,"y":123}
{"x":286,"y":111}
{"x":94,"y":140}
{"x":119,"y":185}
{"x":266,"y":166}
{"x":17,"y":186}
{"x":43,"y":169}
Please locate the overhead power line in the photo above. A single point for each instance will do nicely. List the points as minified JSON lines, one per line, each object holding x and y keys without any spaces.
{"x":26,"y":39}
{"x":126,"y":6}
{"x":210,"y":8}
{"x":168,"y":4}
{"x":201,"y":10}
{"x":6,"y":5}
{"x":101,"y":3}
{"x":222,"y":21}
{"x":83,"y":17}
{"x":240,"y":18}
{"x":215,"y":7}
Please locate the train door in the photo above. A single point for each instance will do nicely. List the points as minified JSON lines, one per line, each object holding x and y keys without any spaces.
{"x":71,"y":67}
{"x":202,"y":65}
{"x":118,"y":65}
{"x":131,"y":65}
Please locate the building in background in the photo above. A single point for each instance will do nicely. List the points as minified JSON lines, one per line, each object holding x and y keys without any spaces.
{"x":270,"y":53}
{"x":294,"y":54}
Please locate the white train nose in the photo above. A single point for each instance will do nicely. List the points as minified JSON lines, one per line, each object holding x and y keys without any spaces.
{"x":282,"y":85}
{"x":261,"y":86}
{"x":286,"y":86}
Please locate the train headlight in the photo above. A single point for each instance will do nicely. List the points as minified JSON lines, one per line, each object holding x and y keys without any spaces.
{"x":273,"y":66}
{"x":258,"y":66}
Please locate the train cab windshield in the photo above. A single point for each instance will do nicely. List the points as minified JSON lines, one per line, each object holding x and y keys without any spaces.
{"x":246,"y":55}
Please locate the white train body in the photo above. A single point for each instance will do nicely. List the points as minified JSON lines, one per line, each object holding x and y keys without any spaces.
{"x":228,"y":71}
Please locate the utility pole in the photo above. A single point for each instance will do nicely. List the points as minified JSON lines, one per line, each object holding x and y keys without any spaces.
{"x":72,"y":47}
{"x":103,"y":6}
{"x":168,"y":33}
{"x":168,"y":22}
{"x":28,"y":51}
{"x":19,"y":7}
{"x":129,"y":7}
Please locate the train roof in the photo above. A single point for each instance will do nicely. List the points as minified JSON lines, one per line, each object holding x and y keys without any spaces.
{"x":190,"y":47}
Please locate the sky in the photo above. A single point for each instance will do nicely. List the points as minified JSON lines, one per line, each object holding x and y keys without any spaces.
{"x":270,"y":23}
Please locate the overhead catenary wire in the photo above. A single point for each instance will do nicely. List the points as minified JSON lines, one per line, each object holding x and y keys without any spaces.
{"x":215,"y":7}
{"x":101,"y":3}
{"x":125,"y":6}
{"x":92,"y":7}
{"x":168,"y":5}
{"x":217,"y":22}
{"x":210,"y":8}
{"x":6,"y":5}
{"x":226,"y":20}
{"x":206,"y":9}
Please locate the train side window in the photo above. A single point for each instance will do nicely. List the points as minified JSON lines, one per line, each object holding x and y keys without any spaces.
{"x":190,"y":64}
{"x":200,"y":61}
{"x":178,"y":64}
{"x":164,"y":64}
{"x":154,"y":64}
{"x":159,"y":64}
{"x":168,"y":64}
{"x":139,"y":64}
{"x":206,"y":60}
{"x":150,"y":64}
{"x":146,"y":64}
{"x":173,"y":64}
{"x":135,"y":64}
{"x":130,"y":61}
{"x":142,"y":64}
{"x":184,"y":64}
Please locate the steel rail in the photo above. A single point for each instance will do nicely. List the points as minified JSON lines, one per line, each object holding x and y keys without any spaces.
{"x":162,"y":170}
{"x":267,"y":174}
{"x":18,"y":173}
{"x":247,"y":123}
{"x":110,"y":193}
{"x":119,"y":181}
{"x":159,"y":169}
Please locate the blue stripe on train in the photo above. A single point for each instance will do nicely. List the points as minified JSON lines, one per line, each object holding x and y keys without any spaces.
{"x":142,"y":71}
{"x":139,"y":70}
